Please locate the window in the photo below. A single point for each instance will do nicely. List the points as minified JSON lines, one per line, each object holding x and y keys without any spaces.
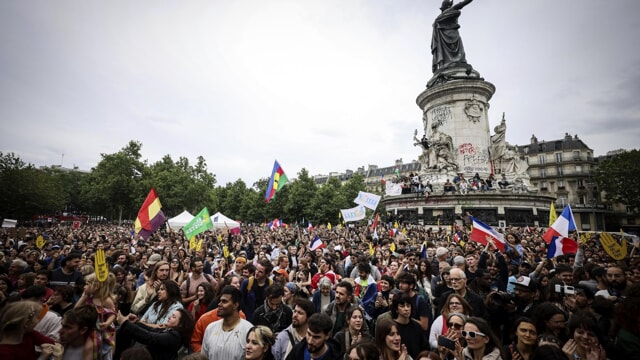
{"x":580,"y":183}
{"x":578,"y":169}
{"x":558,"y":157}
{"x":544,"y":185}
{"x":562,"y":201}
{"x":561,"y":184}
{"x":541,"y":159}
{"x":576,"y":155}
{"x":559,"y":171}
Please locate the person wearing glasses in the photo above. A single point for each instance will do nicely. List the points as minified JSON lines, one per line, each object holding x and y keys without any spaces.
{"x":454,"y":304}
{"x":459,"y":285}
{"x":482,"y":343}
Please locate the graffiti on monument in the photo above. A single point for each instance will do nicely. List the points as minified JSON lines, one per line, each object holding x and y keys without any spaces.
{"x":440,"y":115}
{"x":473,"y":159}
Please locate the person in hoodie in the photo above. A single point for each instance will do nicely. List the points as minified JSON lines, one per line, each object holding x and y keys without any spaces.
{"x":318,"y":344}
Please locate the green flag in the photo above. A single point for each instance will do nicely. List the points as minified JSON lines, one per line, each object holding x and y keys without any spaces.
{"x":200,"y":223}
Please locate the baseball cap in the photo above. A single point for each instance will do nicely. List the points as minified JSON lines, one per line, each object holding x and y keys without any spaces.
{"x":282,"y":272}
{"x":153,"y":259}
{"x":526,"y":282}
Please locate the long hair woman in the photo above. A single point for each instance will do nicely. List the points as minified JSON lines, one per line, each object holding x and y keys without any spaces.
{"x":586,"y":340}
{"x":204,"y":295}
{"x":389,"y":342}
{"x":353,"y":332}
{"x":363,"y":350}
{"x":482,"y":343}
{"x":169,"y":300}
{"x":17,"y":337}
{"x":163,"y":342}
{"x":260,"y":340}
{"x":453,"y":304}
{"x":176,"y":270}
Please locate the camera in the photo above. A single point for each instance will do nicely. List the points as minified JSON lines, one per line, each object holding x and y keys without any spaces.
{"x":565,"y":290}
{"x":501,"y":298}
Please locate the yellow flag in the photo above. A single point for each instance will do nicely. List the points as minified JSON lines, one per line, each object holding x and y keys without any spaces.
{"x":219,"y":237}
{"x":192,"y":243}
{"x":404,"y":231}
{"x":225,"y":251}
{"x":611,"y":246}
{"x":40,"y":242}
{"x":102,"y":270}
{"x":329,"y":226}
{"x":371,"y":251}
{"x":552,"y":214}
{"x":395,"y":225}
{"x":392,"y":247}
{"x":199,"y":245}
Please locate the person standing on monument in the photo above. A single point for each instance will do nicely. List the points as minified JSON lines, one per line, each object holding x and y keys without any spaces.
{"x":446,"y":44}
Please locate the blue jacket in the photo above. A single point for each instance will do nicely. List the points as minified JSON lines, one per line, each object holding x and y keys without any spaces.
{"x":315,"y":299}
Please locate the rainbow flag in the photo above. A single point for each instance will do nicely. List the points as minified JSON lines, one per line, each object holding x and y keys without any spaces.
{"x":150,"y":216}
{"x":277,"y":181}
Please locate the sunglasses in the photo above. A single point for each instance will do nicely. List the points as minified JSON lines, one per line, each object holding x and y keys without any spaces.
{"x":455,"y":326}
{"x":472,"y":334}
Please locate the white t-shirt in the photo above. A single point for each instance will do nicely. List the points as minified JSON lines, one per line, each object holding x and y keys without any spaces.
{"x":227,"y":345}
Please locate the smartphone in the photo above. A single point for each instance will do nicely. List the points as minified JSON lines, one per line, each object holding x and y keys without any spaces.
{"x":446,"y":342}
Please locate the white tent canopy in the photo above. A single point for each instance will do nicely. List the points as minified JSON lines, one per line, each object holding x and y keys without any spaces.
{"x":221,"y":222}
{"x":179,"y":221}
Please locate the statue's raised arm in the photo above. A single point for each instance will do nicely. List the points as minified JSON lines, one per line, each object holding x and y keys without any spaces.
{"x":446,"y":44}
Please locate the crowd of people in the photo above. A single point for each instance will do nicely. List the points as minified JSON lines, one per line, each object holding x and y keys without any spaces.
{"x":418,"y":293}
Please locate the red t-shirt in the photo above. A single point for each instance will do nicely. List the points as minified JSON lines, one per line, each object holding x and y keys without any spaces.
{"x":26,"y":350}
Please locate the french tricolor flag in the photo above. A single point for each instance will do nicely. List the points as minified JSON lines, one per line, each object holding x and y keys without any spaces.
{"x":481,"y":231}
{"x":560,"y":245}
{"x":561,"y":227}
{"x":316,"y":243}
{"x":310,"y":227}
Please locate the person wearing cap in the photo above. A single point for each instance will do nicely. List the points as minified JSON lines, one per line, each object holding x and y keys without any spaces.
{"x":151,"y":262}
{"x":280,"y":276}
{"x":524,"y":304}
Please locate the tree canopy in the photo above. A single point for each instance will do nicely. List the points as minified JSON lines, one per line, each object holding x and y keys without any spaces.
{"x":618,"y":178}
{"x":116,"y":187}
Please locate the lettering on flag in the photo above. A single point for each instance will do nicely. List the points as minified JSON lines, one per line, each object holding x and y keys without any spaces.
{"x":354,"y":214}
{"x":200,"y":223}
{"x":368,"y":200}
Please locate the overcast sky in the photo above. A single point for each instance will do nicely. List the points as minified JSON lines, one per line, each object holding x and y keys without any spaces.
{"x":326,"y":85}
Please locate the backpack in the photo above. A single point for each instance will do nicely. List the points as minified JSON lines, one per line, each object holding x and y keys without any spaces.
{"x":252,"y":279}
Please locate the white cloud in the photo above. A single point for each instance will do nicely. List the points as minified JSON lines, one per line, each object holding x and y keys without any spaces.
{"x":324,"y":85}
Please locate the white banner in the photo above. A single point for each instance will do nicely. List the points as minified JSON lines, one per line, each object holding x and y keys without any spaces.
{"x":8,"y":223}
{"x":367,"y":200}
{"x":353,"y":214}
{"x":393,"y":189}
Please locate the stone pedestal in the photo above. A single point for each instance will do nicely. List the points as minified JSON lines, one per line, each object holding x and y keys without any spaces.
{"x":455,"y":105}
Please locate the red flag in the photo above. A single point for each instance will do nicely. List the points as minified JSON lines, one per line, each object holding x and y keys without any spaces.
{"x":375,"y":222}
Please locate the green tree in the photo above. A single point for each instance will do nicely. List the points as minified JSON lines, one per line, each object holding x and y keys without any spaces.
{"x":326,"y":203}
{"x":113,"y":186}
{"x":618,"y":178}
{"x":26,"y":191}
{"x":301,"y":191}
